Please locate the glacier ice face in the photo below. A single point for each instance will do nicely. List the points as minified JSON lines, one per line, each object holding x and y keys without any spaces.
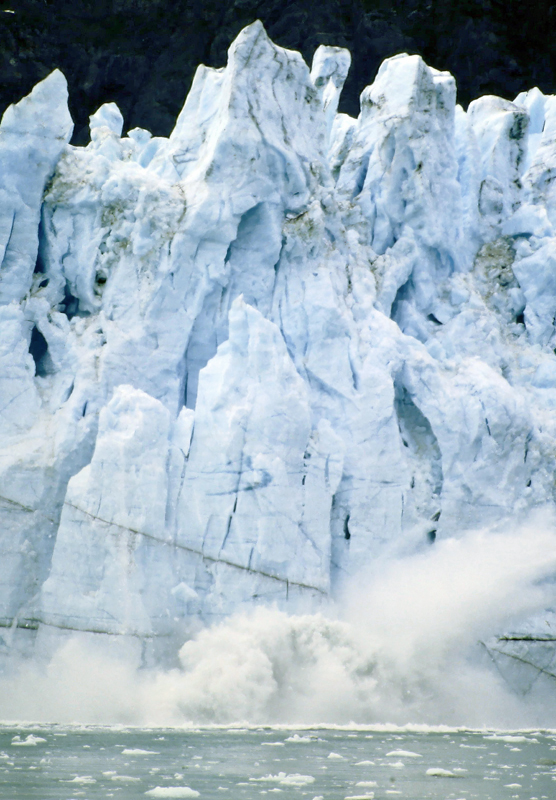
{"x":122,"y":491}
{"x":242,"y":362}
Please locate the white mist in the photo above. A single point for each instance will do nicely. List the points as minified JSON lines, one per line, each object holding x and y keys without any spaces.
{"x":402,"y":649}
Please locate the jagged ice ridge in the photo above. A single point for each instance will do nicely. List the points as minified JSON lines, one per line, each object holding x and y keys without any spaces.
{"x":239,"y":363}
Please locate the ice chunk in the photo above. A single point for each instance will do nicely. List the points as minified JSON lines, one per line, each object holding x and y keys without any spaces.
{"x":368,"y":796}
{"x":297,"y":780}
{"x":282,"y":778}
{"x":108,"y":116}
{"x":440,"y":772}
{"x":30,"y":741}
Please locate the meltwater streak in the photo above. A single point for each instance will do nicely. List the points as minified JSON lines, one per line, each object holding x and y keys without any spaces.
{"x":403,"y":649}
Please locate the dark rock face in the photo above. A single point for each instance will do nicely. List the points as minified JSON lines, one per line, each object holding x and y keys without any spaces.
{"x":142,"y":53}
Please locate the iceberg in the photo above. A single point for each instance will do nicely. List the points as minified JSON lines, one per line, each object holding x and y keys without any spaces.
{"x":239,"y":364}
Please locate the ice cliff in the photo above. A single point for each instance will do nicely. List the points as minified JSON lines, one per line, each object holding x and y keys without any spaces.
{"x":240,"y":363}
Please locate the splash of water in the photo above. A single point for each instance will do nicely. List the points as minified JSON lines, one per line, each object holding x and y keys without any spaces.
{"x":401,"y":647}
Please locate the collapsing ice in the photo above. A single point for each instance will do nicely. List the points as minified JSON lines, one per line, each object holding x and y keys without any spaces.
{"x":241,"y":363}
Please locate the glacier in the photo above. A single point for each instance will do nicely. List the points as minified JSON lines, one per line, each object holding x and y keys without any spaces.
{"x":240,"y":364}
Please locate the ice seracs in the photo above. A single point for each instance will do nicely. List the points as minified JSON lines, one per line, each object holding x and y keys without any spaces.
{"x":33,"y":135}
{"x":239,"y":363}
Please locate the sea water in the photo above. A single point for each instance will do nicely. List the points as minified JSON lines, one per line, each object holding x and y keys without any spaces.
{"x":43,"y":762}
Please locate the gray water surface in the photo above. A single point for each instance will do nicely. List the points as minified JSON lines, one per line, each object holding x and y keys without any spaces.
{"x":54,"y":762}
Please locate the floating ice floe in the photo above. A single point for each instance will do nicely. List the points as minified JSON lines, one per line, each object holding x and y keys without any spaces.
{"x":282,"y":778}
{"x":368,"y":796}
{"x":172,"y":791}
{"x":440,"y":772}
{"x":30,"y":741}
